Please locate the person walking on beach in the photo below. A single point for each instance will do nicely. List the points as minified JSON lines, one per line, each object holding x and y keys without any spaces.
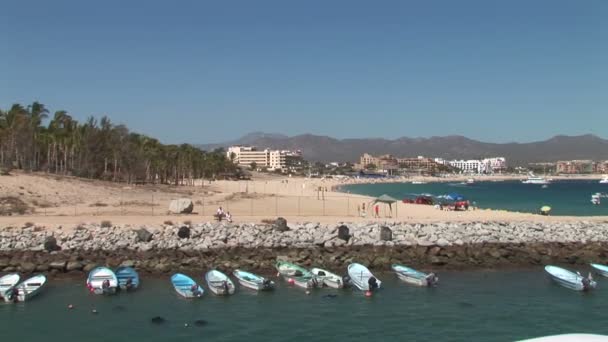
{"x":377,"y":210}
{"x":363,"y":211}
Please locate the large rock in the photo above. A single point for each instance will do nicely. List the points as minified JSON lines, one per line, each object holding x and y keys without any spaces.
{"x":183,"y":232}
{"x":143,"y":235}
{"x":27,"y":267}
{"x":58,"y":265}
{"x":50,"y":244}
{"x":181,"y":206}
{"x":386,"y":234}
{"x":343,"y":233}
{"x":281,"y":225}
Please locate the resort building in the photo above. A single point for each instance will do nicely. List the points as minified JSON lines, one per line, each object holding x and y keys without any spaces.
{"x":581,"y":166}
{"x":270,"y":159}
{"x":487,"y":165}
{"x":387,"y":163}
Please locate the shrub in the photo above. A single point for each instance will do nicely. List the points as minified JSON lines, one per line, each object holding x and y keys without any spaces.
{"x":98,"y":204}
{"x":28,"y":224}
{"x":168,"y":223}
{"x":106,"y":224}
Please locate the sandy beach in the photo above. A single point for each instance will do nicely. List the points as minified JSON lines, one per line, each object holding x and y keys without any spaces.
{"x":61,"y":200}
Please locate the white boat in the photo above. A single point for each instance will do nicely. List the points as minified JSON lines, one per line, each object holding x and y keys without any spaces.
{"x":102,"y":280}
{"x":219,"y":283}
{"x":253,"y":281}
{"x":329,"y":279}
{"x":411,"y":276}
{"x":362,"y":278}
{"x":570,"y":338}
{"x":306,"y":282}
{"x":26,"y":289}
{"x":570,"y":280}
{"x":604,"y":180}
{"x":470,"y":181}
{"x":7,"y":283}
{"x":600,"y":269}
{"x":532,"y":179}
{"x":418,"y":182}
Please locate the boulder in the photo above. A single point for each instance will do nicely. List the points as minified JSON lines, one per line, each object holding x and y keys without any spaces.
{"x":344,"y":233}
{"x":143,"y":235}
{"x":181,"y":206}
{"x":27,"y":267}
{"x":386,"y":234}
{"x":50,"y":244}
{"x":281,"y":225}
{"x":127,"y":263}
{"x":58,"y":265}
{"x":89,"y":267}
{"x":183,"y":232}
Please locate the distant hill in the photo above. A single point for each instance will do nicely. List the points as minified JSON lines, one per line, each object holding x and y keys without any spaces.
{"x":326,"y":149}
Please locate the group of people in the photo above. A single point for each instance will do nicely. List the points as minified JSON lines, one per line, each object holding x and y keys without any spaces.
{"x":220,"y":214}
{"x":363,"y":212}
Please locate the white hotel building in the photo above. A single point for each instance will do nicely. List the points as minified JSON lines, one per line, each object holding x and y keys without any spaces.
{"x":271,"y":159}
{"x":487,"y":165}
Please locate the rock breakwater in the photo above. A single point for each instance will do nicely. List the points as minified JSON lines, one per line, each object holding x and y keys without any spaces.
{"x":170,"y":248}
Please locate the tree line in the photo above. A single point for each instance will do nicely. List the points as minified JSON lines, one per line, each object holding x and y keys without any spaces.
{"x":99,"y":149}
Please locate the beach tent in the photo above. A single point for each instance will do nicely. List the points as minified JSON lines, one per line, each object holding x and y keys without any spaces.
{"x":455,"y":197}
{"x":386,"y":199}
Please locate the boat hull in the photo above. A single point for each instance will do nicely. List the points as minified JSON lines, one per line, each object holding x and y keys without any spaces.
{"x":7,"y":283}
{"x":219,"y":284}
{"x":96,"y":279}
{"x":183,"y":285}
{"x":253,"y":281}
{"x":414,"y":277}
{"x":569,"y":280}
{"x":329,"y":279}
{"x":28,"y":288}
{"x":600,"y":269}
{"x":360,"y":277}
{"x":123,"y":275}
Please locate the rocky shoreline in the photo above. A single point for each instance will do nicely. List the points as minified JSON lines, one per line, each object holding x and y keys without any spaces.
{"x":198,"y":247}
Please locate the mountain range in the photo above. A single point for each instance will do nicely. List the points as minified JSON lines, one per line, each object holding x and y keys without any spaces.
{"x":327,"y":149}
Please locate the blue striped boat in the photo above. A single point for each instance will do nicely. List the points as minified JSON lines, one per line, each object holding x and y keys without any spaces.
{"x":414,"y":277}
{"x":185,"y":286}
{"x":600,"y":269}
{"x":570,"y":280}
{"x":128,"y":279}
{"x":102,"y":280}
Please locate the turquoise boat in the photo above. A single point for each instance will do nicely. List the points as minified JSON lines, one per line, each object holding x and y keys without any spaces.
{"x":128,"y":278}
{"x":414,"y":277}
{"x":186,"y":286}
{"x":253,"y":281}
{"x":600,"y":269}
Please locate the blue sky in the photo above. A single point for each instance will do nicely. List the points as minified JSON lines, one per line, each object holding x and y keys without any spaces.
{"x":201,"y":71}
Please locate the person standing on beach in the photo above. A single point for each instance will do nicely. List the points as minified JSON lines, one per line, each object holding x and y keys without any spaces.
{"x":363,"y":211}
{"x":377,"y":210}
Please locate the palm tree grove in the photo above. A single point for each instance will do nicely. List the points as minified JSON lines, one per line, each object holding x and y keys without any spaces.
{"x":98,"y":149}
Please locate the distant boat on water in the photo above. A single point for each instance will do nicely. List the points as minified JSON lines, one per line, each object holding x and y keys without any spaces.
{"x":604,"y":180}
{"x":532,"y":179}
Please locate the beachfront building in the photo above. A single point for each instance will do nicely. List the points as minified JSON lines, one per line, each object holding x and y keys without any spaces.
{"x":581,"y":166}
{"x":389,"y":164}
{"x":486,"y":165}
{"x":266,"y":158}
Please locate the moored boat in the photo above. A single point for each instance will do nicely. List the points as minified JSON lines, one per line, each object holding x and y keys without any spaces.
{"x":362,"y":278}
{"x":253,"y":281}
{"x":329,"y":279}
{"x":604,"y":180}
{"x":600,"y":269}
{"x":532,"y":179}
{"x":186,"y":286}
{"x":219,"y":283}
{"x":102,"y":280}
{"x":570,"y":280}
{"x":414,"y":277}
{"x":26,"y":289}
{"x":308,"y":282}
{"x":128,"y":278}
{"x":7,"y":283}
{"x":288,"y":269}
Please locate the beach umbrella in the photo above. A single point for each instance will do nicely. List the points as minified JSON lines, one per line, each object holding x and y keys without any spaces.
{"x":545,"y":208}
{"x":386,"y":199}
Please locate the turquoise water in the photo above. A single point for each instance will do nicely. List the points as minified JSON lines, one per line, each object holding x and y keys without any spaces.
{"x":467,"y":306}
{"x":564,"y":197}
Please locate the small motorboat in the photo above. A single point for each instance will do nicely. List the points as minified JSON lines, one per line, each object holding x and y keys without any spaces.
{"x":308,"y":282}
{"x":186,"y":286}
{"x":362,"y":278}
{"x":128,"y":279}
{"x":288,"y":269}
{"x":329,"y":279}
{"x":102,"y":280}
{"x":418,"y":182}
{"x":470,"y":181}
{"x":600,"y":269}
{"x":7,"y":283}
{"x":26,"y":289}
{"x":253,"y":281}
{"x":411,"y":276}
{"x":219,"y":283}
{"x":571,"y":280}
{"x":604,"y":180}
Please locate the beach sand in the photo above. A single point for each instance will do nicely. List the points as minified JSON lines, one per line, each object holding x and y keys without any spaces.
{"x":67,"y":201}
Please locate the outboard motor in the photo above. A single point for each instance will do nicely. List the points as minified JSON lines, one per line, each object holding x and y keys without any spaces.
{"x":226,"y":288}
{"x":14,"y":295}
{"x":432,"y":279}
{"x":372,"y":283}
{"x":586,"y":284}
{"x":346,"y":281}
{"x":267,"y":283}
{"x":315,"y":282}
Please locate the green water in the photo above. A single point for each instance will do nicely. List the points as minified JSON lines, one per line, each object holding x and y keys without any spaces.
{"x":565,"y":197}
{"x":467,"y":306}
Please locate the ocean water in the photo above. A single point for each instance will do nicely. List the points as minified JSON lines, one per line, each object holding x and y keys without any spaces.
{"x":466,"y":306}
{"x":572,"y":198}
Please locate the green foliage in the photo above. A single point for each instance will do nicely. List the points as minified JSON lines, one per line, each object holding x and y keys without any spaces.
{"x":98,"y":149}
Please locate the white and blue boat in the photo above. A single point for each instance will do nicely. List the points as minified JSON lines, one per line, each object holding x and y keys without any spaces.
{"x":600,"y":269}
{"x":26,"y":289}
{"x":128,"y":278}
{"x":328,"y":278}
{"x":253,"y":281}
{"x":362,"y":278}
{"x":219,"y":283}
{"x":414,"y":277}
{"x":570,"y":280}
{"x":7,"y":283}
{"x":186,"y":286}
{"x":102,"y":280}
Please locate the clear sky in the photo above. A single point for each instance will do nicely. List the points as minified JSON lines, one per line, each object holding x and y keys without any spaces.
{"x":202,"y":71}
